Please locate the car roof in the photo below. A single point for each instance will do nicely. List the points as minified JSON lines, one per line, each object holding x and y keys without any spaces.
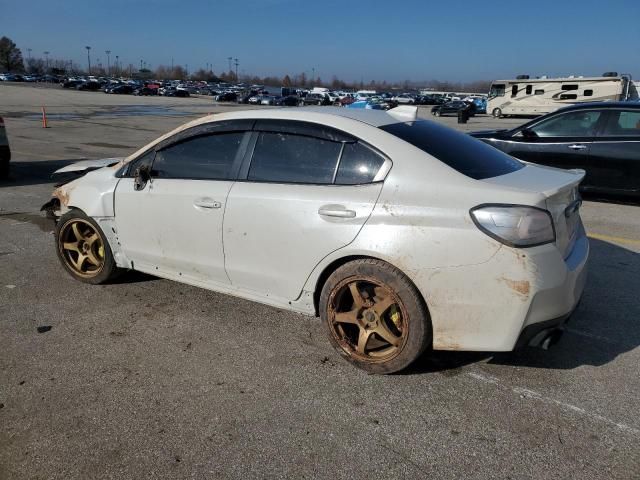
{"x":375,"y":118}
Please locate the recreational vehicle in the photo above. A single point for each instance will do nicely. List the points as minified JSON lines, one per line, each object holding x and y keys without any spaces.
{"x":538,"y":96}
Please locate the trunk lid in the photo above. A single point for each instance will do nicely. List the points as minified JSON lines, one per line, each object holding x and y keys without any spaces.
{"x":561,"y":197}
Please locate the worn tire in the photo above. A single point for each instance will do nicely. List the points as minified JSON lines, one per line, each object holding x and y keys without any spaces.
{"x":418,"y":338}
{"x":108,"y":270}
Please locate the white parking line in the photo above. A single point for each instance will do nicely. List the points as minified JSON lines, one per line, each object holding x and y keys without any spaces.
{"x":527,"y":393}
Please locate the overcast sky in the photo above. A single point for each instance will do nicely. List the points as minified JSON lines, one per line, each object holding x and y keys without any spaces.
{"x":390,"y":40}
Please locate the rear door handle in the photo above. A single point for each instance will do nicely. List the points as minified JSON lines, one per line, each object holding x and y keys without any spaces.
{"x":337,"y":211}
{"x":207,"y":203}
{"x":577,"y":146}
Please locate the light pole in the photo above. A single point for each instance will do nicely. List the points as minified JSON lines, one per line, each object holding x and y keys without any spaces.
{"x":229,"y":58}
{"x":117,"y":57}
{"x":108,"y":52}
{"x":237,"y":63}
{"x":313,"y":76}
{"x":46,"y":55}
{"x":140,"y":64}
{"x":89,"y":57}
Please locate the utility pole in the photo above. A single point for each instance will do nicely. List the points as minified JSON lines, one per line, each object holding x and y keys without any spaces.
{"x":89,"y":57}
{"x":108,"y":52}
{"x":237,"y":63}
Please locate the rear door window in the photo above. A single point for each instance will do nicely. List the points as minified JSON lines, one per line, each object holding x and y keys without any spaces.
{"x":622,"y":124}
{"x":358,"y":164}
{"x":571,"y":124}
{"x":290,"y":158}
{"x":461,"y":152}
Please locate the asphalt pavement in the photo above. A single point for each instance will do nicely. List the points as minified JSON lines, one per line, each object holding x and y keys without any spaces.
{"x":148,"y":378}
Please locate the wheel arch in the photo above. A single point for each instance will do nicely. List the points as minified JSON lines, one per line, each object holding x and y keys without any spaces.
{"x":332,"y":266}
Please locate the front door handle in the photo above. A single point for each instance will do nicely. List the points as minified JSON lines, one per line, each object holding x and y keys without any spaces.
{"x":207,"y":203}
{"x":337,"y":211}
{"x":577,"y":146}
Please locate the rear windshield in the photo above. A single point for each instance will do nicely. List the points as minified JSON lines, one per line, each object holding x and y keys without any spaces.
{"x":461,"y":152}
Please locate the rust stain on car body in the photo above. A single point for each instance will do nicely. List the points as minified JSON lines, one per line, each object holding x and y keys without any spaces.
{"x":521,"y":287}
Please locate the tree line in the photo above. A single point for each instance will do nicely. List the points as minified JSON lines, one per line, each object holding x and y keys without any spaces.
{"x":12,"y":61}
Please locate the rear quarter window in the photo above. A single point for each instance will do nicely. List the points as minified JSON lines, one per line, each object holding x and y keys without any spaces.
{"x":463,"y":153}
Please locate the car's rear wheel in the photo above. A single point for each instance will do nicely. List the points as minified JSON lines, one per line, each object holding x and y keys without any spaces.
{"x":83,"y":249}
{"x":497,"y":113}
{"x":375,"y":316}
{"x":438,"y":113}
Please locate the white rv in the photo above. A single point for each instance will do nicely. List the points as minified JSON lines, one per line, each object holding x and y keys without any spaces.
{"x":538,"y":96}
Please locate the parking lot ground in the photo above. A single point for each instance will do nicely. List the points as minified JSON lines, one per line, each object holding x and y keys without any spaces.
{"x":147,"y":378}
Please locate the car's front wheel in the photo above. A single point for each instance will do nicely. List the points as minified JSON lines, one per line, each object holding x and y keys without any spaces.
{"x":497,"y":113}
{"x":83,"y":249}
{"x":375,"y":316}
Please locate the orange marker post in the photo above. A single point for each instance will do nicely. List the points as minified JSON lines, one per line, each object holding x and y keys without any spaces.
{"x":44,"y":118}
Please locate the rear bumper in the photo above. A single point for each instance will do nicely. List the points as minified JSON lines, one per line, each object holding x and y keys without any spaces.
{"x":515,"y":299}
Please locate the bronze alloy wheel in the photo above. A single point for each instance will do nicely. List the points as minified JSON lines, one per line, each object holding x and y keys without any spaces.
{"x":367,"y":319}
{"x":81,"y":248}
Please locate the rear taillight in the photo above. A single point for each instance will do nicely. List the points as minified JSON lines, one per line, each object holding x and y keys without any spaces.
{"x":515,"y":225}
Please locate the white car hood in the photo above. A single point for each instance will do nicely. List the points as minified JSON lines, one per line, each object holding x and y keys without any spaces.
{"x":89,"y":165}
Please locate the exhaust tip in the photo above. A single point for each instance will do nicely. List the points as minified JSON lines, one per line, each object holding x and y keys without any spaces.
{"x":551,"y":339}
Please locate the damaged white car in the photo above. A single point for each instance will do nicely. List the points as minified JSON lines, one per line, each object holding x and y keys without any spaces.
{"x":401,"y":234}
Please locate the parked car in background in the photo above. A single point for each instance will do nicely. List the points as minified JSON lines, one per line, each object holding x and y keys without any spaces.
{"x":404,"y":99}
{"x":176,"y":92}
{"x":268,"y":100}
{"x":50,"y":79}
{"x":429,"y":100}
{"x":480,"y":104}
{"x":146,"y":91}
{"x":226,"y":97}
{"x":71,"y":83}
{"x":370,"y":104}
{"x":5,"y":151}
{"x":288,"y":101}
{"x":449,"y":108}
{"x":120,"y":89}
{"x":92,"y":86}
{"x":602,"y":138}
{"x":395,"y":231}
{"x":316,"y":99}
{"x":347,"y":100}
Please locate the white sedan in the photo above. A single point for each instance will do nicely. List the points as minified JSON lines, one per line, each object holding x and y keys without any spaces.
{"x":401,"y":234}
{"x":404,"y":99}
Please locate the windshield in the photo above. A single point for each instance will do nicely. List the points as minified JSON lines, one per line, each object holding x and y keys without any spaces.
{"x":497,"y":90}
{"x":463,"y":153}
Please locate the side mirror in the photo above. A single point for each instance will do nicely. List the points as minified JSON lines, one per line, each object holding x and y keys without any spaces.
{"x":140,"y":177}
